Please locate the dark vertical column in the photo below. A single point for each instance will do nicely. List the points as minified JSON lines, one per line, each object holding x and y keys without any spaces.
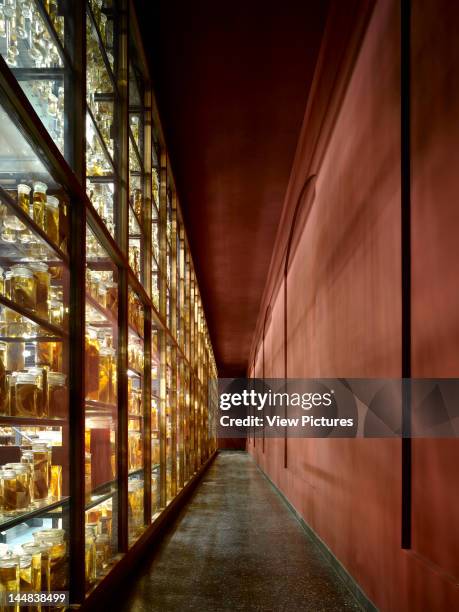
{"x":75,"y":97}
{"x":405,"y":74}
{"x":147,"y":143}
{"x":122,"y":166}
{"x":163,"y":312}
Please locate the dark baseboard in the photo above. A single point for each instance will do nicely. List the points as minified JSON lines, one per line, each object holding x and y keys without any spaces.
{"x":359,"y":595}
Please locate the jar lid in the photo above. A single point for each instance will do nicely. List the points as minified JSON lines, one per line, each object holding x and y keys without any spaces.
{"x":49,"y":534}
{"x":9,"y":561}
{"x":20,"y":270}
{"x":17,"y":467}
{"x":40,"y":446}
{"x":25,"y":377}
{"x":25,"y":561}
{"x":8,"y":473}
{"x":40,"y":187}
{"x":38,"y":266}
{"x":33,"y":548}
{"x":56,"y":378}
{"x":52,"y":202}
{"x":106,"y":350}
{"x":23,"y":188}
{"x":103,"y":537}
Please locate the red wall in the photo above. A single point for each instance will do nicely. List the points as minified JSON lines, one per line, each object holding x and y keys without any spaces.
{"x":343,"y":314}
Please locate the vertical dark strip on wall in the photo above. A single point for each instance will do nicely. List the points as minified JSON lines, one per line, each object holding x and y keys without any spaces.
{"x":406,"y":271}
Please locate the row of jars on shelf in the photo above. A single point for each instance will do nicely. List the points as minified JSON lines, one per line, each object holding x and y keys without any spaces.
{"x":28,"y":285}
{"x":34,"y":392}
{"x":48,"y":212}
{"x":38,"y":566}
{"x":26,"y":485}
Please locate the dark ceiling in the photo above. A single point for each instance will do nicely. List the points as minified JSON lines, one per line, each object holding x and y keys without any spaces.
{"x":232,"y":81}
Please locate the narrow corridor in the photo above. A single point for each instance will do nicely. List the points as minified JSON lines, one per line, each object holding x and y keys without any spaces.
{"x":236,"y":546}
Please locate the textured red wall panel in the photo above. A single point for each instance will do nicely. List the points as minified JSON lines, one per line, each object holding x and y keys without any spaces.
{"x":344,"y":305}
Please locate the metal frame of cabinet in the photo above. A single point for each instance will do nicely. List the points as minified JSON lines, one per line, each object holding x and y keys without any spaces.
{"x":178,"y":363}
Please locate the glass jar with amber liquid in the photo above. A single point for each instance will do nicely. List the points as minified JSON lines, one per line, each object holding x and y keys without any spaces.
{"x":103,"y":551}
{"x":24,"y":197}
{"x":135,"y":505}
{"x":23,"y":287}
{"x":25,"y":395}
{"x":57,"y":395}
{"x":90,"y":555}
{"x":42,"y":279}
{"x":39,"y":203}
{"x":4,"y":406}
{"x":41,"y":454}
{"x":39,"y":551}
{"x":20,"y":492}
{"x":92,"y":364}
{"x":106,"y":375}
{"x":9,"y":579}
{"x":29,"y":578}
{"x":52,"y":219}
{"x":54,"y":538}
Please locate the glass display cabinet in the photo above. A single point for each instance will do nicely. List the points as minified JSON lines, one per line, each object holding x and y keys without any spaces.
{"x":34,"y":367}
{"x":105,"y":358}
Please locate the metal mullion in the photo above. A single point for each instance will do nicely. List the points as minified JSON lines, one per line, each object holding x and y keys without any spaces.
{"x":121,"y":159}
{"x":163,"y":313}
{"x":122,"y":411}
{"x":173,"y":330}
{"x":147,"y":416}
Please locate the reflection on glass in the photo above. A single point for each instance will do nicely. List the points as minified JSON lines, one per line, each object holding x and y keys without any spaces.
{"x":101,"y":406}
{"x":135,"y":383}
{"x":26,"y":42}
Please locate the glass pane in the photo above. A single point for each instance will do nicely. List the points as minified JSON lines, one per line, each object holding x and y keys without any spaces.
{"x":34,"y":348}
{"x":101,"y":103}
{"x":155,"y":423}
{"x":101,"y":409}
{"x":101,"y":16}
{"x":135,"y":417}
{"x":31,"y":45}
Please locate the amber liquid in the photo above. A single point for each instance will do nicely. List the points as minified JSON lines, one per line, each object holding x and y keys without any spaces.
{"x":24,"y":201}
{"x":23,"y":292}
{"x":42,"y":293}
{"x":52,"y":224}
{"x":9,"y":582}
{"x":57,"y":401}
{"x":39,"y":200}
{"x":92,"y":369}
{"x":3,"y":385}
{"x":105,"y":378}
{"x":40,"y":475}
{"x":29,"y":580}
{"x":24,"y":400}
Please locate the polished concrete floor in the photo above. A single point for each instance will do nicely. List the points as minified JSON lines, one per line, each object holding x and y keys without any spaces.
{"x":236,"y":546}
